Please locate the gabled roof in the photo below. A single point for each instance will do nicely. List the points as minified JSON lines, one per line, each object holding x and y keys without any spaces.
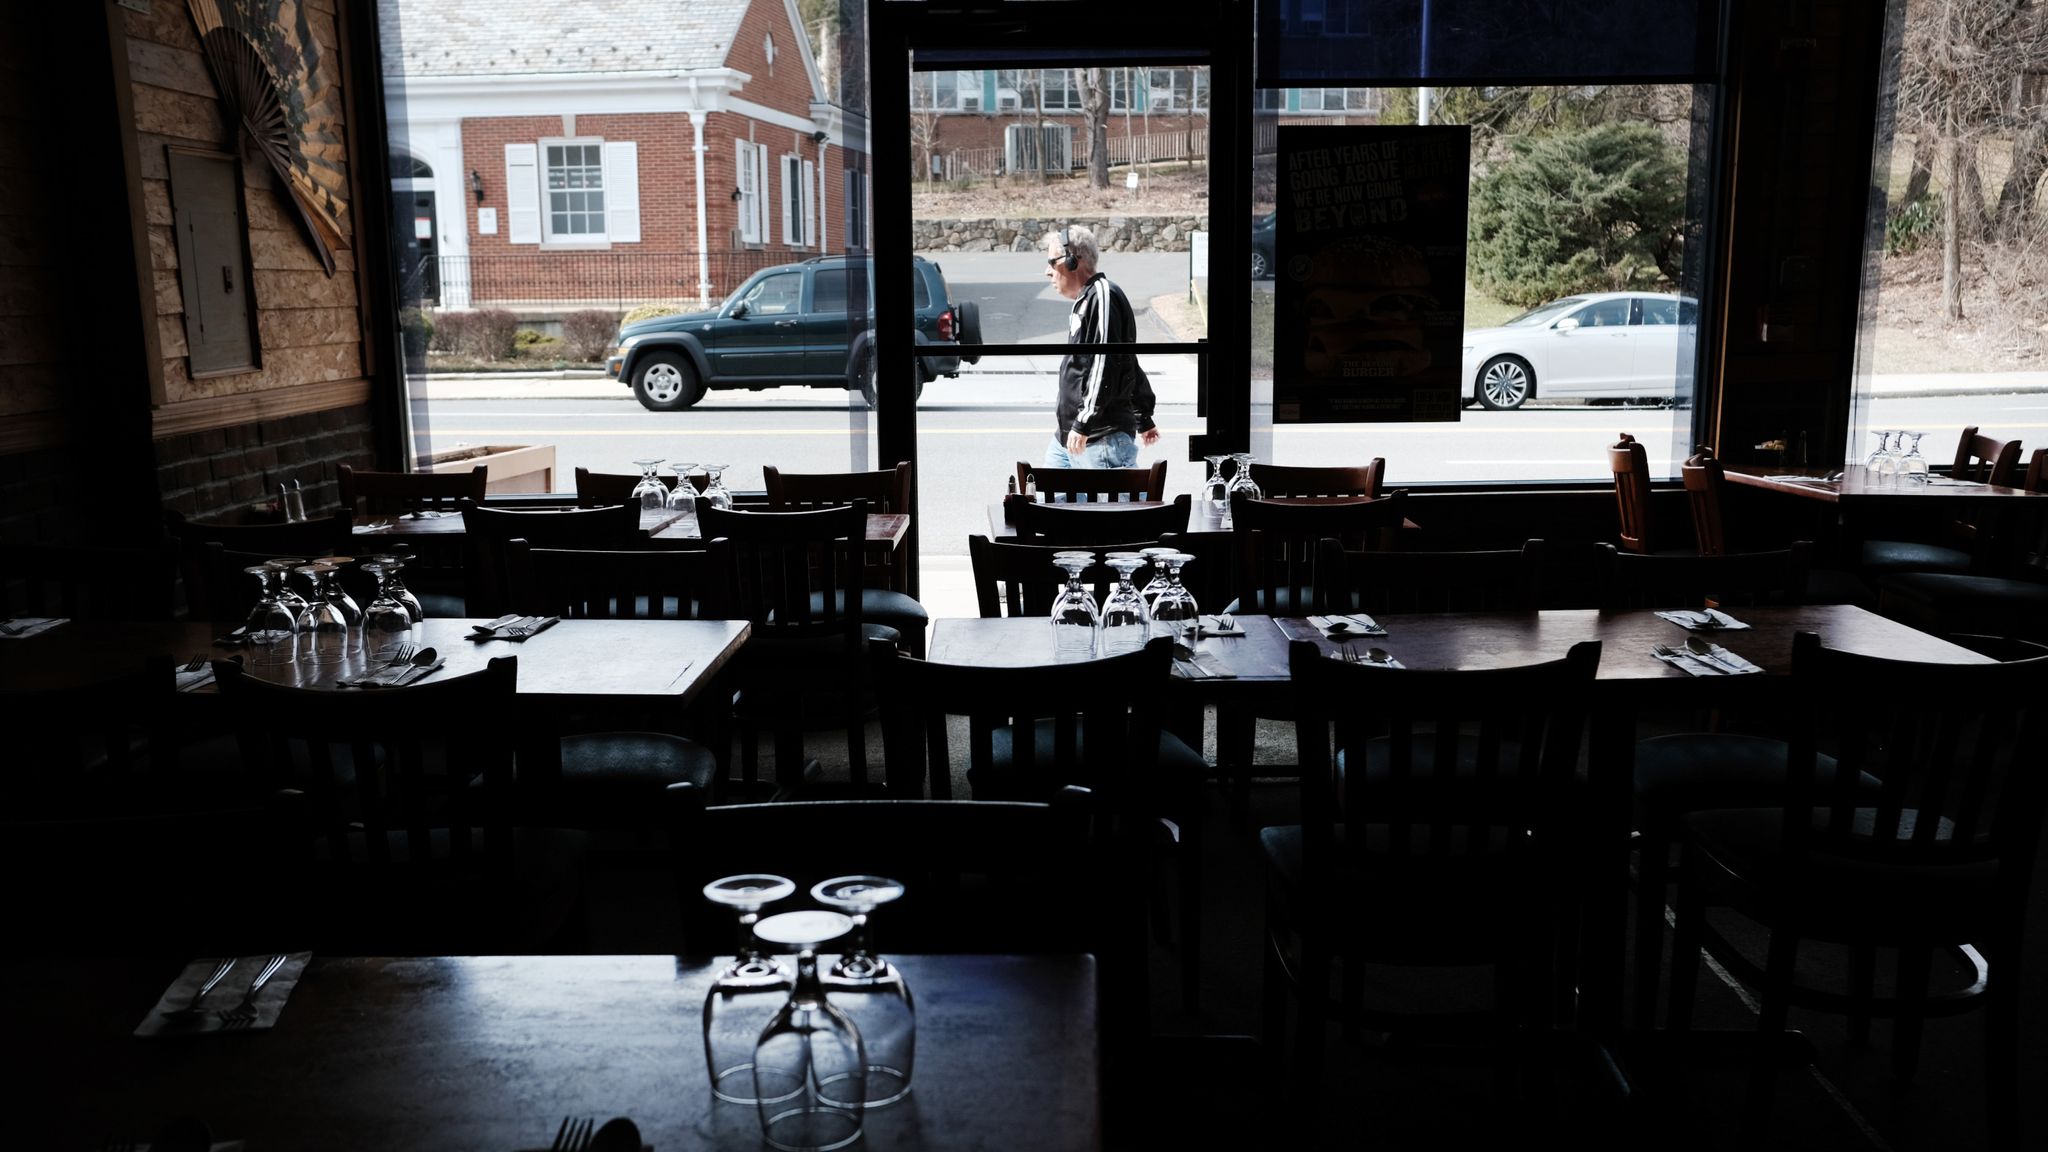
{"x":539,"y":37}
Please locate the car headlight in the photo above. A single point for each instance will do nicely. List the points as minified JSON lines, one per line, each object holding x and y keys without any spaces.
{"x":628,"y":342}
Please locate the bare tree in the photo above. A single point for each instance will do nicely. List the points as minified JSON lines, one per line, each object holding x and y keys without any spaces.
{"x":1961,"y":63}
{"x":1094,"y":86}
{"x":924,"y":125}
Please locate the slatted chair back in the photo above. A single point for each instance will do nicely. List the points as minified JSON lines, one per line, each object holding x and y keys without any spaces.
{"x":1283,"y":480}
{"x":796,"y":577}
{"x":1082,"y":485}
{"x":1374,"y":582}
{"x":1704,"y":483}
{"x":1451,"y":782}
{"x":1733,"y":579}
{"x":579,"y":584}
{"x":2026,"y":546}
{"x":1277,"y":542}
{"x":1985,"y":459}
{"x":1630,"y":464}
{"x":489,"y":532}
{"x":89,"y":581}
{"x":60,"y":762}
{"x":886,"y":491}
{"x":311,"y":539}
{"x":601,"y":489}
{"x":1094,"y":525}
{"x":1117,"y":702}
{"x":1022,"y":580}
{"x":374,"y":494}
{"x":1957,"y":751}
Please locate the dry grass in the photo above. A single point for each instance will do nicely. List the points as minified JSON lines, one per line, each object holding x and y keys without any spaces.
{"x":2005,"y":312}
{"x":1178,"y":190}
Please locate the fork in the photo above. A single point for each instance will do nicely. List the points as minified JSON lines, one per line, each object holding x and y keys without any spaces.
{"x":244,"y":1013}
{"x":401,"y":655}
{"x":572,"y":1136}
{"x":194,"y":664}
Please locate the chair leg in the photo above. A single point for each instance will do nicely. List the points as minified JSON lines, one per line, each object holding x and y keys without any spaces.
{"x":1915,"y":961}
{"x":1236,"y":739}
{"x":1653,"y":873}
{"x":1313,"y":1000}
{"x":1190,"y":868}
{"x":1274,"y":1007}
{"x":1862,"y":981}
{"x":750,"y":752}
{"x":1685,"y":957}
{"x":1770,"y":1027}
{"x":2002,"y":1044}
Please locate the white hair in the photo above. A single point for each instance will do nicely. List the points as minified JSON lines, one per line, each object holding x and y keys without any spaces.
{"x":1081,"y":244}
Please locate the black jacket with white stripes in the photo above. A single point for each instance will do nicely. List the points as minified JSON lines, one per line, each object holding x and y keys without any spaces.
{"x":1102,"y":393}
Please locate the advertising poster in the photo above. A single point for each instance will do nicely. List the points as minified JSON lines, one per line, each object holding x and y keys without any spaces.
{"x":1369,"y":307}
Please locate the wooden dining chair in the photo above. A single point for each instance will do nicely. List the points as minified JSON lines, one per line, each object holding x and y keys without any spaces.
{"x":1704,"y":482}
{"x":379,"y":494}
{"x":1276,"y":543}
{"x":614,"y":761}
{"x":1631,"y":467}
{"x":2009,"y":598}
{"x":488,"y":533}
{"x":1083,"y":485}
{"x":1729,"y":579}
{"x":1284,"y":480}
{"x":887,"y":589}
{"x":1939,"y":858}
{"x":90,"y":581}
{"x":797,"y":578}
{"x":222,"y":596}
{"x":1096,"y":526}
{"x":1022,"y":580}
{"x":1440,"y":813}
{"x":415,"y":840}
{"x":1373,"y":581}
{"x":1032,"y":730}
{"x":1957,"y":545}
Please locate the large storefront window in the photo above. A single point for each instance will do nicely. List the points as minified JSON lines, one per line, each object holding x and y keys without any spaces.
{"x":579,"y":210}
{"x":1954,"y":324}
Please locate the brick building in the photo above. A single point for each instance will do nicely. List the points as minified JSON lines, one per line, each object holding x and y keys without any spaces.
{"x":655,"y":150}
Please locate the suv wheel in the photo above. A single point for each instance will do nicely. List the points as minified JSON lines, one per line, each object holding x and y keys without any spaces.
{"x":867,"y":381}
{"x":969,"y":315}
{"x":665,"y":382}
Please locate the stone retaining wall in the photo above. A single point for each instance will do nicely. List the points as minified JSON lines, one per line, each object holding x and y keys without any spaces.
{"x":1013,"y":234}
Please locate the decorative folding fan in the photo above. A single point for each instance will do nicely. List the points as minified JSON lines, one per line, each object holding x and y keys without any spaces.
{"x":245,"y":50}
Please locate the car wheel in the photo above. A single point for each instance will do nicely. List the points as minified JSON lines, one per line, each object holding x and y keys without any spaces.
{"x":970,"y":330}
{"x":1261,"y":266}
{"x":1505,"y":382}
{"x":867,"y":381}
{"x":665,"y":382}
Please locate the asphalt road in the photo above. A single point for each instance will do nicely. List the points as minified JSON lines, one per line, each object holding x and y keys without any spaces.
{"x":1018,"y":305}
{"x":974,"y":430}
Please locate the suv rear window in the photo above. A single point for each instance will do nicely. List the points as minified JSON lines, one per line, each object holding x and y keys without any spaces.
{"x":821,"y":294}
{"x":828,"y":290}
{"x":924,"y":294}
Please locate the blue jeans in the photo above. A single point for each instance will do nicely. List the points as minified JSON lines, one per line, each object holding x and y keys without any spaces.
{"x":1114,"y":450}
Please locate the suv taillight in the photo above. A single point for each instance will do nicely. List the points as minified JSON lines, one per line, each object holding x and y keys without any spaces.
{"x":946,"y":324}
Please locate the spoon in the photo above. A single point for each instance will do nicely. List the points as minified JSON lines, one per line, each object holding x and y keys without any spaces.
{"x":1379,"y":655}
{"x":617,"y":1135}
{"x":1705,"y":651}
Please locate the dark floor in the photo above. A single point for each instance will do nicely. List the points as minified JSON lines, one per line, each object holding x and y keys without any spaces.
{"x":1395,"y":1097}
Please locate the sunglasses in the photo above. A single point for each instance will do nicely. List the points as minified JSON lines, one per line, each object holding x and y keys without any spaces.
{"x":1052,"y":260}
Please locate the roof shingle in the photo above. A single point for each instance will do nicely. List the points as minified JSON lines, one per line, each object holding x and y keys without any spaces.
{"x":540,"y":37}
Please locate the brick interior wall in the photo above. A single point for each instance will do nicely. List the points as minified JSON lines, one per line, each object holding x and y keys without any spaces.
{"x":233,"y":473}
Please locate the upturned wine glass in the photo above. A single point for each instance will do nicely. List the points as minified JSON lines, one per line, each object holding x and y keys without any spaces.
{"x":1216,"y":489}
{"x":1126,"y":621}
{"x":1158,"y":583}
{"x":871,"y":991}
{"x":286,"y":567}
{"x":1075,"y":616}
{"x":1175,"y":613}
{"x":650,"y":493}
{"x":386,"y":623}
{"x":683,"y":497}
{"x":810,"y":1057}
{"x":394,"y":582}
{"x":336,"y":591}
{"x":747,"y":994}
{"x":271,"y":627}
{"x":1913,"y":466}
{"x":323,"y":631}
{"x":715,"y":490}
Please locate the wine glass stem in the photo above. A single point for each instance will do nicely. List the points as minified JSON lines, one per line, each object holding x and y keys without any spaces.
{"x":747,"y":949}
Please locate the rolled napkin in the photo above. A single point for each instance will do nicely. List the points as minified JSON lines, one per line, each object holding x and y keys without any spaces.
{"x":1337,"y":627}
{"x":1717,"y":661}
{"x":187,"y":681}
{"x":393,"y":675}
{"x":1201,"y":666}
{"x":514,"y":628}
{"x":22,"y":627}
{"x":175,"y":1014}
{"x":1703,"y":620}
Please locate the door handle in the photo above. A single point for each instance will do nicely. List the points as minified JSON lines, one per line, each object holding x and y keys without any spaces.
{"x":785,"y":323}
{"x":227,"y":279}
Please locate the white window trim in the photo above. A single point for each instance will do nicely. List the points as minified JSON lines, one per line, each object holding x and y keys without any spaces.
{"x":583,"y":241}
{"x":751,"y":180}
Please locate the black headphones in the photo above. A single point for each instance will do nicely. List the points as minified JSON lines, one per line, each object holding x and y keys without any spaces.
{"x":1067,"y":246}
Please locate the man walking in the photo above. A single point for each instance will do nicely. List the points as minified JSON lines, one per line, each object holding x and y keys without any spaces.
{"x":1105,"y":401}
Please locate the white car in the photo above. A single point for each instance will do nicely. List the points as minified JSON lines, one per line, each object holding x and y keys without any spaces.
{"x":1596,"y":345}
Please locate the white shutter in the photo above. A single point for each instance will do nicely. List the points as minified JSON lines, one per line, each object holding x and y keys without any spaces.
{"x":622,"y":191}
{"x":762,"y":190}
{"x":809,"y":183}
{"x":789,"y":233}
{"x":522,"y":193}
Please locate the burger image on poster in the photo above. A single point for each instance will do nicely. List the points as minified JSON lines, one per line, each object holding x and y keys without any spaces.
{"x":1363,"y":307}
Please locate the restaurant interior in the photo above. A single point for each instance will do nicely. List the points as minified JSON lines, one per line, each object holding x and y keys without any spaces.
{"x":1287,"y":788}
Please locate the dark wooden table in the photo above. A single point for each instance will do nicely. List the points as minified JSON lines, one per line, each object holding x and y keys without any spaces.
{"x":412,"y":527}
{"x":1855,"y":487}
{"x":885,"y":532}
{"x":488,"y":1054}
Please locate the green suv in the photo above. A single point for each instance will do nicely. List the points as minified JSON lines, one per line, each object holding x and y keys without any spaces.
{"x":786,"y":326}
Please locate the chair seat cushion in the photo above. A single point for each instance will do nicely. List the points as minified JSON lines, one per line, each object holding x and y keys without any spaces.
{"x":1466,"y":908}
{"x":879,"y":604}
{"x":633,"y":767}
{"x":1690,"y":771}
{"x":1948,"y":602}
{"x":443,"y":605}
{"x":1882,"y":556}
{"x":1743,"y":864}
{"x":1834,"y":586}
{"x":1178,"y":765}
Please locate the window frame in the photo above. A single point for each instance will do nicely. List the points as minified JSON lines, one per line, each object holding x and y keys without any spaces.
{"x":548,"y":237}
